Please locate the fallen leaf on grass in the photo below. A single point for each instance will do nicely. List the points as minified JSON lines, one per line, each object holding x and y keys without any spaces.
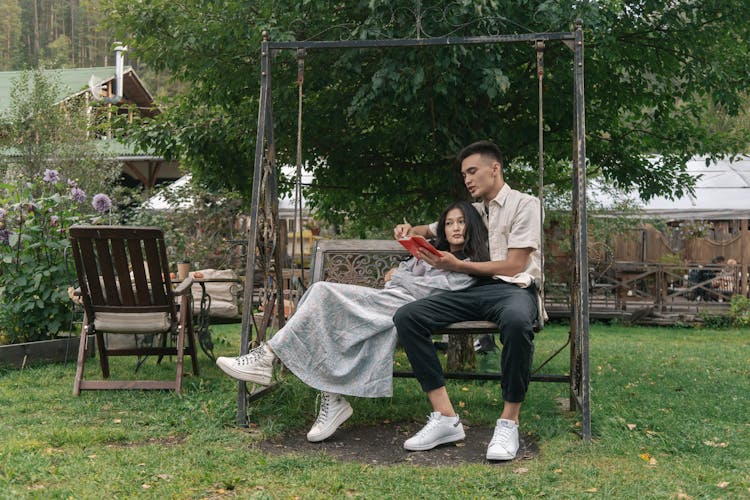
{"x":557,"y":471}
{"x":590,"y":490}
{"x":93,"y":456}
{"x":714,"y":444}
{"x":521,"y":470}
{"x":165,"y":477}
{"x":683,"y":496}
{"x":631,"y":427}
{"x":145,"y":486}
{"x":645,"y":457}
{"x":465,"y":389}
{"x":117,"y":421}
{"x":722,"y":484}
{"x":461,"y":404}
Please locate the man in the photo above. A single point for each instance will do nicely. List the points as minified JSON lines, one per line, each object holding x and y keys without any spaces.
{"x":506,"y":294}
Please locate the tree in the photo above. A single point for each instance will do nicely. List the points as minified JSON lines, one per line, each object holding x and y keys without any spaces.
{"x":41,"y":133}
{"x":381,"y":126}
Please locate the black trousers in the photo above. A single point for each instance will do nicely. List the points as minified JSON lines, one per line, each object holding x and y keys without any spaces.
{"x":514,"y":309}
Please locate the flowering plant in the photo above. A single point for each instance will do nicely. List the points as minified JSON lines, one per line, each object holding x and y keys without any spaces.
{"x":34,"y":250}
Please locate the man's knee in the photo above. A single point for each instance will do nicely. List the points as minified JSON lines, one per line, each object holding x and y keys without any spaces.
{"x":405,"y":315}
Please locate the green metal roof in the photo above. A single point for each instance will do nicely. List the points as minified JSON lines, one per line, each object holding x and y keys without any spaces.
{"x":71,"y":81}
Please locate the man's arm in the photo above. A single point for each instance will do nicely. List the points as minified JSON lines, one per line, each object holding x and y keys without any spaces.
{"x":516,"y":262}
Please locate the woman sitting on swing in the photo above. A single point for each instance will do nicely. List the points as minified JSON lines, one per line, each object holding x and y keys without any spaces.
{"x":341,"y":340}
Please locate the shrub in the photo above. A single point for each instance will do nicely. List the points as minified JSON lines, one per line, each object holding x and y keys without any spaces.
{"x":739,"y":311}
{"x":36,"y":270}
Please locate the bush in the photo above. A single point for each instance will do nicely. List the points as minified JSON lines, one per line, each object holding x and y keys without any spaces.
{"x":36,"y":271}
{"x":739,"y":311}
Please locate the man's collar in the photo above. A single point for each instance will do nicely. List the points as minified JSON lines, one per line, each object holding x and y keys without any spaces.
{"x":502,"y":195}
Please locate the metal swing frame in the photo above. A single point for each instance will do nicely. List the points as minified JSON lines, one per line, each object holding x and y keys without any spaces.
{"x":264,"y":193}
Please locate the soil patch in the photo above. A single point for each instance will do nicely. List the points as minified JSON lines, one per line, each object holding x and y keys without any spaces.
{"x":383,"y":445}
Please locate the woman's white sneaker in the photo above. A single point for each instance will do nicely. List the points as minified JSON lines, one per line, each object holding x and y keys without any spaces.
{"x":438,"y":430}
{"x":334,"y":410}
{"x":504,"y":443}
{"x":255,"y":366}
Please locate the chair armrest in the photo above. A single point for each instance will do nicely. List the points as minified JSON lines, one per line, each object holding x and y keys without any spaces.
{"x":184,"y":287}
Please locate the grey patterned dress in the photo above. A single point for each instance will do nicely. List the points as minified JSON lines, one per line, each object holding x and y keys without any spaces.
{"x":341,"y":339}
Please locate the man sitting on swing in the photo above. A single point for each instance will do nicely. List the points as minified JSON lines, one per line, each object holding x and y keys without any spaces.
{"x":505,"y":294}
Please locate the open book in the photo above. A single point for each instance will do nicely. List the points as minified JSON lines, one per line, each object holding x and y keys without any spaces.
{"x":414,"y":243}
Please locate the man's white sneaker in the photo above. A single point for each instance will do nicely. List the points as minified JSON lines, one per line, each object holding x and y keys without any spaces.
{"x":504,"y":443}
{"x":438,"y":430}
{"x":255,"y":366}
{"x":334,"y":410}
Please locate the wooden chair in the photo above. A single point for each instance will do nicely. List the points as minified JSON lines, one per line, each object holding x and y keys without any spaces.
{"x":124,"y":282}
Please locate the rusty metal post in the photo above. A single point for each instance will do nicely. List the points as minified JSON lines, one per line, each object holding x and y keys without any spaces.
{"x":252,"y":239}
{"x":581,"y":313}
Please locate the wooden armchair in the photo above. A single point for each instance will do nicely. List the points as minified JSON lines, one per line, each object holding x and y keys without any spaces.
{"x":124,"y":282}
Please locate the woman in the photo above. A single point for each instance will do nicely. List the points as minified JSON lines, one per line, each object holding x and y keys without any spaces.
{"x":341,"y":340}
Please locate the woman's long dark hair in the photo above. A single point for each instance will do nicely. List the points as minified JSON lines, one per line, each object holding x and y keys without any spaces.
{"x":476,"y":244}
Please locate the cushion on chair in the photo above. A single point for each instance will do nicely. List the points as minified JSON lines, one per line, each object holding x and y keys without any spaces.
{"x":132,"y":322}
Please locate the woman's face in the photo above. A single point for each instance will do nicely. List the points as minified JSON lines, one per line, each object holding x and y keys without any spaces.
{"x":455,"y":229}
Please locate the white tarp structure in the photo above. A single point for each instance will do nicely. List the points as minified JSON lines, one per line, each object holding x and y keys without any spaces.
{"x":286,"y":204}
{"x":722,"y":192}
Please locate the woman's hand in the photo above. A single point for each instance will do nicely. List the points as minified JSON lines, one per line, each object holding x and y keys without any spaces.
{"x":389,"y":274}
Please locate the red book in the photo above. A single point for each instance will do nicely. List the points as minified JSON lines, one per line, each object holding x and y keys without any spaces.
{"x":414,"y":243}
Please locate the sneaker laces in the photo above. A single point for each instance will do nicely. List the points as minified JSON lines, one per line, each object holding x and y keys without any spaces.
{"x":501,"y":435}
{"x":432,"y":422}
{"x":325,"y":404}
{"x":251,"y":357}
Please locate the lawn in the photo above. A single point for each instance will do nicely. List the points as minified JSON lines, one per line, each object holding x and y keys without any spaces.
{"x":669,"y":407}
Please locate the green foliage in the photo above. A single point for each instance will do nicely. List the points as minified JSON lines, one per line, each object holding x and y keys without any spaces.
{"x":40,"y":133}
{"x":200,"y":226}
{"x":381,"y":126}
{"x":713,"y":320}
{"x":739,"y":311}
{"x":34,"y":250}
{"x":42,"y":192}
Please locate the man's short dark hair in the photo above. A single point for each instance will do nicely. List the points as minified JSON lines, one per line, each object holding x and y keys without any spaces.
{"x":484,"y":148}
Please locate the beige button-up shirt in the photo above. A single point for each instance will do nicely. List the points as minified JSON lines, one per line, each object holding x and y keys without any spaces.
{"x":513,"y":220}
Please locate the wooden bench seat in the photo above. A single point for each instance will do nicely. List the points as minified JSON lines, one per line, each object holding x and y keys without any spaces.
{"x":365,"y":262}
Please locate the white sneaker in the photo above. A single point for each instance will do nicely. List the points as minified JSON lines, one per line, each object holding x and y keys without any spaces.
{"x":438,"y":430}
{"x":334,"y":410}
{"x":504,"y":443}
{"x":255,"y":366}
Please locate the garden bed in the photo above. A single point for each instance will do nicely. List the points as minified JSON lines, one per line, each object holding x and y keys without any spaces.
{"x":43,"y":351}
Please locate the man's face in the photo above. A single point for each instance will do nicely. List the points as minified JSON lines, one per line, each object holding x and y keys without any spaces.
{"x":480,"y":174}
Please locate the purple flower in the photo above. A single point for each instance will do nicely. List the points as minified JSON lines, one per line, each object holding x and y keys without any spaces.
{"x":4,"y":236}
{"x":51,"y":176}
{"x":101,"y":202}
{"x":3,"y":213}
{"x":78,"y":195}
{"x":72,"y":183}
{"x":53,"y":220}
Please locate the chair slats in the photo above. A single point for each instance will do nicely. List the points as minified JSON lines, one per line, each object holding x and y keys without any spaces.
{"x":107,"y":272}
{"x":139,"y":272}
{"x":123,"y":273}
{"x":124,"y":270}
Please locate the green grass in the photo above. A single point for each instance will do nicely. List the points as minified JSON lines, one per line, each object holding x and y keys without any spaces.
{"x":678,"y":397}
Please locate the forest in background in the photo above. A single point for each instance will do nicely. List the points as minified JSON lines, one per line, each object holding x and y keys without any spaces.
{"x":54,"y":34}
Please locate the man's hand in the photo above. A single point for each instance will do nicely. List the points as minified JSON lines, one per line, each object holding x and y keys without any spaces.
{"x":446,"y":261}
{"x":402,"y":230}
